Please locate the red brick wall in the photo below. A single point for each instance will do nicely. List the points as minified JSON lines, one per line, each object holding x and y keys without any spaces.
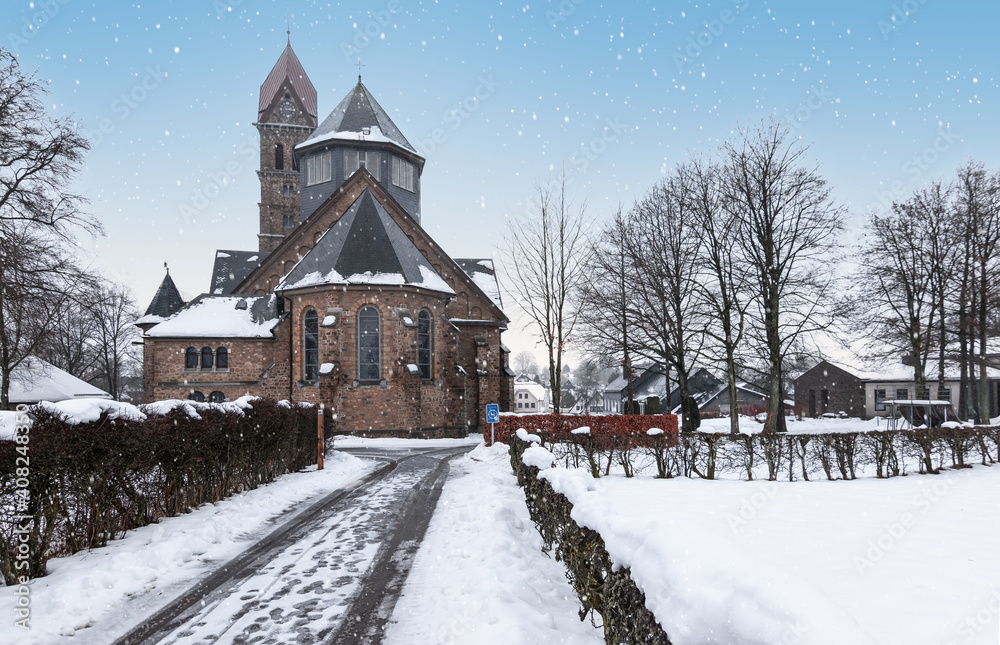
{"x":165,"y":377}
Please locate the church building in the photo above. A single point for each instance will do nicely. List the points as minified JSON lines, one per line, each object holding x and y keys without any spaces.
{"x":347,"y":301}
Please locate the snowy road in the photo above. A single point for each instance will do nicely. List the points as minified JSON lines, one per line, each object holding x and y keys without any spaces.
{"x":331,"y":575}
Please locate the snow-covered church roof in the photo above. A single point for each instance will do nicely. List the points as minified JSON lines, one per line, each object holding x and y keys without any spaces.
{"x":364,"y":246}
{"x":358,"y":117}
{"x":483,"y":273}
{"x":222,"y":317}
{"x":165,"y":303}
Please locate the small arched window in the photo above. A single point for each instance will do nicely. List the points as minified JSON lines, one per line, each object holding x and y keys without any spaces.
{"x":206,"y":358}
{"x":369,"y":345}
{"x":311,"y":344}
{"x":191,"y":358}
{"x":216,"y":397}
{"x":197,"y":396}
{"x":424,"y":343}
{"x":222,"y":358}
{"x":279,"y":156}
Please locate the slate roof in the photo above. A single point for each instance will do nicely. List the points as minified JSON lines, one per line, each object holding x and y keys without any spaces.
{"x":359,"y":110}
{"x":166,"y":302}
{"x":483,"y":273}
{"x":288,"y":66}
{"x":364,"y":246}
{"x":231,"y":268}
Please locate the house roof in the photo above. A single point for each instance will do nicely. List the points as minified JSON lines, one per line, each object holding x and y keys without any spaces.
{"x":166,"y":302}
{"x":904,"y":373}
{"x":37,"y":380}
{"x":899,"y":373}
{"x":288,"y":67}
{"x":484,"y":275}
{"x":364,"y":246}
{"x":535,"y":389}
{"x":358,"y":117}
{"x":232,"y":316}
{"x":231,"y":268}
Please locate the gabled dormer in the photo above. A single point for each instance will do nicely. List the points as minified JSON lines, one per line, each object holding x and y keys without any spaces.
{"x":358,"y":133}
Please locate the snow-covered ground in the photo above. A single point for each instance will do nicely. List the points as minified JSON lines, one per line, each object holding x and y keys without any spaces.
{"x":748,"y":425}
{"x":906,"y":560}
{"x":98,"y":595}
{"x":480,"y":576}
{"x":389,"y":443}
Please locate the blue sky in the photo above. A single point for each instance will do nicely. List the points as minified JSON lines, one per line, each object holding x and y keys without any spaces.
{"x":500,"y":97}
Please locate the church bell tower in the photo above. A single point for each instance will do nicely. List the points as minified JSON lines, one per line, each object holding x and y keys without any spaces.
{"x":286,"y":116}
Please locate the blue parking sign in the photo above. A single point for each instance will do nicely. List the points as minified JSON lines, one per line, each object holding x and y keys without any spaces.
{"x":492,"y":413}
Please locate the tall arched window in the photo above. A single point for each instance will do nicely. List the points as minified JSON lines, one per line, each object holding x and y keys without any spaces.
{"x":191,"y":358}
{"x":279,"y":156}
{"x":222,"y":358}
{"x":424,"y":343}
{"x":369,"y":345}
{"x":206,"y":358}
{"x":311,"y":324}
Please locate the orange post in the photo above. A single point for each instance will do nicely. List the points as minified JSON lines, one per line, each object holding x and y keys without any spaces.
{"x":319,"y":438}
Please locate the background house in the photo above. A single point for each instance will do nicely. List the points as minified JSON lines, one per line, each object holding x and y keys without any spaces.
{"x":529,"y":396}
{"x":829,"y":388}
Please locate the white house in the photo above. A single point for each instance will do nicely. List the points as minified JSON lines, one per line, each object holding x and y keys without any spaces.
{"x":529,"y":396}
{"x":895,"y":382}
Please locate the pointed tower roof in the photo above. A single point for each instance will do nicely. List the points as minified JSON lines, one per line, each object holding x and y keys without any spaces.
{"x":358,"y":117}
{"x":365,"y":246}
{"x":288,"y":67}
{"x":165,"y":303}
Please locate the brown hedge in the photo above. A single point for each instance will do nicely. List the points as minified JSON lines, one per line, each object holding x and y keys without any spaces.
{"x":617,"y":425}
{"x":92,"y":482}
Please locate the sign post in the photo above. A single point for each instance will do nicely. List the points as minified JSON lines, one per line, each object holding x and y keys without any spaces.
{"x":319,"y":438}
{"x":492,"y":417}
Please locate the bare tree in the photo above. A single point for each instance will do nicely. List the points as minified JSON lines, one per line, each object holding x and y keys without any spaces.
{"x":37,"y":278}
{"x":113,"y":312}
{"x":788,"y":225}
{"x":546,"y":255}
{"x":69,"y":340}
{"x":978,"y":211}
{"x":723,"y":284}
{"x":39,"y":157}
{"x":607,"y":297}
{"x":525,"y":363}
{"x":664,"y":248}
{"x":900,"y":263}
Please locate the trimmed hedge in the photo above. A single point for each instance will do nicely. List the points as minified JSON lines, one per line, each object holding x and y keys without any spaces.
{"x":92,"y":482}
{"x":882,"y":453}
{"x":618,"y":425}
{"x":601,"y":588}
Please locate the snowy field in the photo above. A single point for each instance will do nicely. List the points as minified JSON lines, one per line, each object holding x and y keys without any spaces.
{"x":906,"y":560}
{"x":480,"y":576}
{"x":96,"y":596}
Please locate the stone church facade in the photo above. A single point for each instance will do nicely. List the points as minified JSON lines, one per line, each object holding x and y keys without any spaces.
{"x":347,"y":301}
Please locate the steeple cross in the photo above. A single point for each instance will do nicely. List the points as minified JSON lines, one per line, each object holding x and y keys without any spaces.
{"x":360,"y":65}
